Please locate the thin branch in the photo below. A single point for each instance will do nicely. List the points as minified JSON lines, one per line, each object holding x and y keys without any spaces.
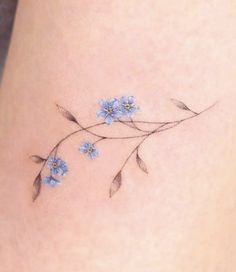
{"x":133,"y":151}
{"x":87,"y":129}
{"x":133,"y":123}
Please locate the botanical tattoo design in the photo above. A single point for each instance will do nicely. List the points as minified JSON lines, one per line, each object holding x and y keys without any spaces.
{"x":53,"y":168}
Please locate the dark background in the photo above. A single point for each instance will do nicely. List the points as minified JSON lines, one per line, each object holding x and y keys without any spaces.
{"x":7,"y":13}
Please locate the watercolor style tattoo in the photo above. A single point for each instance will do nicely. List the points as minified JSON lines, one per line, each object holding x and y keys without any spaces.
{"x":121,"y":110}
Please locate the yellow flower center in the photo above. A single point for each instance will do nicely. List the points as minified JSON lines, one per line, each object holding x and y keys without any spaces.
{"x":128,"y":106}
{"x":55,"y":165}
{"x":110,"y":110}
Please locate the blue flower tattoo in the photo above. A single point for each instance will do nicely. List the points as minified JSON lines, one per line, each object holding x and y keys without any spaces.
{"x":89,"y":149}
{"x":51,"y":181}
{"x":110,"y":110}
{"x":57,"y":166}
{"x":128,"y":106}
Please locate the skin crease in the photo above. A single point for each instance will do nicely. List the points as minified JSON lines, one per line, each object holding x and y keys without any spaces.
{"x":181,"y":216}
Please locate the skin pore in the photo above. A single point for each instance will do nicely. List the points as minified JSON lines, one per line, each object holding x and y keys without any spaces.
{"x":181,"y":216}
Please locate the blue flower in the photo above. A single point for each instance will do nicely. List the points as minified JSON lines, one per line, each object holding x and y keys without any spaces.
{"x":57,"y":166}
{"x":89,"y":149}
{"x":128,"y":106}
{"x":51,"y":181}
{"x":110,"y":110}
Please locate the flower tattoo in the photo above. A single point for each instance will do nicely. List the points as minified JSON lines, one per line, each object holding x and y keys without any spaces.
{"x":116,"y":110}
{"x":110,"y":110}
{"x":128,"y":106}
{"x":57,"y":166}
{"x":51,"y":181}
{"x":89,"y":149}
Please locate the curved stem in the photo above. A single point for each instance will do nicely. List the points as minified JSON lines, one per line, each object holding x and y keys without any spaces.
{"x":144,"y":136}
{"x":99,"y":140}
{"x":90,"y":132}
{"x":142,"y":141}
{"x":169,"y":122}
{"x":131,"y":123}
{"x":133,"y":151}
{"x":87,"y":129}
{"x":55,"y":147}
{"x":161,"y":129}
{"x":141,"y":122}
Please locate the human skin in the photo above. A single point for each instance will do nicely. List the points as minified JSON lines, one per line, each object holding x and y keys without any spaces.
{"x":180,"y":217}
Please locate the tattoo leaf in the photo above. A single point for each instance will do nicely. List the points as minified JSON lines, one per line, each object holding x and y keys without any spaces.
{"x":67,"y":114}
{"x":37,"y":186}
{"x":141,"y":164}
{"x":116,"y":184}
{"x":180,"y":104}
{"x":37,"y":159}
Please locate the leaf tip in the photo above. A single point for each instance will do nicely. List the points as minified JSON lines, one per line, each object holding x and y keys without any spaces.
{"x":116,"y":184}
{"x":65,"y":113}
{"x":37,"y":159}
{"x":36,"y":187}
{"x":141,"y":164}
{"x":179,"y":104}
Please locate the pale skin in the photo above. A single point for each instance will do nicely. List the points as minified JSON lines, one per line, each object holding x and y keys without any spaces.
{"x":180,"y":217}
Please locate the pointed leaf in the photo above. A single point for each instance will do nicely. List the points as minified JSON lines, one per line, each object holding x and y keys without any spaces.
{"x":66,"y":114}
{"x":37,"y":186}
{"x":141,"y":164}
{"x":116,"y":184}
{"x":180,"y":104}
{"x":37,"y":159}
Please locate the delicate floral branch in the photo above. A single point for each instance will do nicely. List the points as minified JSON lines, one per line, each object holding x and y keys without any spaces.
{"x":114,"y":110}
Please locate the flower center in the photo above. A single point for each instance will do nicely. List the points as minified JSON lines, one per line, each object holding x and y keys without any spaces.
{"x":90,"y":150}
{"x":128,"y":106}
{"x":54,"y":165}
{"x":110,"y":110}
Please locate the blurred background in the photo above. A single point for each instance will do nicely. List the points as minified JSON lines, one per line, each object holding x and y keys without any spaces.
{"x":7,"y":14}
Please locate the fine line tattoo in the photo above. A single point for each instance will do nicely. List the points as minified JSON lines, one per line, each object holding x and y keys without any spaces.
{"x":111,"y":111}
